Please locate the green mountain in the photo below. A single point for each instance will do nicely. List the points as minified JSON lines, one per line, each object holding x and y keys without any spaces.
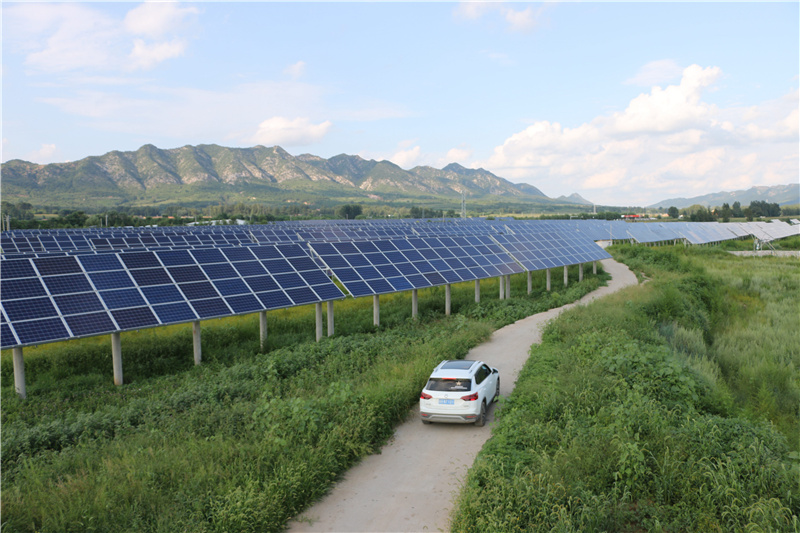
{"x":778,"y":194}
{"x":207,"y":174}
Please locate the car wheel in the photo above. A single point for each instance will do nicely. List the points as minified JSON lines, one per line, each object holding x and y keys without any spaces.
{"x":481,"y":420}
{"x":497,"y":391}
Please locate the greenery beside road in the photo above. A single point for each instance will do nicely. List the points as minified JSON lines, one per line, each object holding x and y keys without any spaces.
{"x":671,"y":406}
{"x":244,"y":441}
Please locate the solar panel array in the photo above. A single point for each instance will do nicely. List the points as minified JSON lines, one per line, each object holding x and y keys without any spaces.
{"x":45,"y":299}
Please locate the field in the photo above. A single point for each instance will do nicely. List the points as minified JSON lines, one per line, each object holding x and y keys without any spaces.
{"x":244,"y":441}
{"x":672,"y":406}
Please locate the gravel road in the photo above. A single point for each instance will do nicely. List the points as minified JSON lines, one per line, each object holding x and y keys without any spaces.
{"x":410,"y":486}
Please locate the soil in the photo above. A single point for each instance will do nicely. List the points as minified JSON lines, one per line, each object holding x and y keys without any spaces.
{"x":410,"y":486}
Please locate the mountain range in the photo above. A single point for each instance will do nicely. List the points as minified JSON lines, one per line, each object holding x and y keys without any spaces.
{"x":211,"y":173}
{"x":776,"y":194}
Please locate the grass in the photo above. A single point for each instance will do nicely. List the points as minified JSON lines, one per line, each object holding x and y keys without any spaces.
{"x":654,"y":409}
{"x":244,"y":441}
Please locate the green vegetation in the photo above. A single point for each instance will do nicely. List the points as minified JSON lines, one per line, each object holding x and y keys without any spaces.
{"x":671,"y":406}
{"x":244,"y":441}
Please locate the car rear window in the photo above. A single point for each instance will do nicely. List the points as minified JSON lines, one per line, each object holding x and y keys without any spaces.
{"x":449,"y":384}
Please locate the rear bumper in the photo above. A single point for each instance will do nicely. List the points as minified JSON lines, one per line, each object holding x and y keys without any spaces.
{"x":455,"y":418}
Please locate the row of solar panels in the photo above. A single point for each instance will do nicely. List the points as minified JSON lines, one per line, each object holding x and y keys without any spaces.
{"x":52,"y":297}
{"x":37,"y":241}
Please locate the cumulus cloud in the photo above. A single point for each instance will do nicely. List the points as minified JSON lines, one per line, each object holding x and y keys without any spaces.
{"x":406,"y":158}
{"x":667,"y":142}
{"x":290,"y":132}
{"x":44,"y":155}
{"x":296,"y":70}
{"x":516,"y":20}
{"x":656,"y":73}
{"x":76,"y":37}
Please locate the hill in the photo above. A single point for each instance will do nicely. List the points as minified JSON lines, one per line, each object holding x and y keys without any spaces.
{"x":778,"y":194}
{"x":208,"y":174}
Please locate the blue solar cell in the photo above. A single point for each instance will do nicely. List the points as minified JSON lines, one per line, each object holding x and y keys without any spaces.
{"x":492,"y":270}
{"x":302,"y":295}
{"x":90,"y":324}
{"x":345,"y":248}
{"x":324,"y":248}
{"x":285,"y":281}
{"x":208,"y":256}
{"x":395,"y":257}
{"x":220,"y":271}
{"x":210,"y":308}
{"x":174,"y":313}
{"x":400,"y":284}
{"x":435,"y":278}
{"x":52,"y":266}
{"x":229,"y":287}
{"x":406,"y":269}
{"x":7,"y":339}
{"x":368,"y":272}
{"x":67,"y":284}
{"x":13,"y":289}
{"x":388,"y":271}
{"x":238,"y":254}
{"x":261,"y":283}
{"x":175,"y":258}
{"x":335,"y":261}
{"x":292,"y":250}
{"x":51,"y":329}
{"x":450,"y":276}
{"x":266,"y":252}
{"x":277,"y":266}
{"x":161,"y":294}
{"x":140,"y":260}
{"x":138,"y":317}
{"x":346,"y":274}
{"x":385,"y":246}
{"x":302,"y":264}
{"x":29,"y":309}
{"x":198,"y":291}
{"x":186,"y":274}
{"x":366,"y":247}
{"x":358,"y":288}
{"x":315,"y":277}
{"x":246,"y":303}
{"x":274,"y":299}
{"x":418,"y":281}
{"x":17,"y":268}
{"x":74,"y":304}
{"x":249,"y":268}
{"x":377,"y":259}
{"x":328,"y":292}
{"x":111,"y":280}
{"x":429,"y":254}
{"x":122,"y":298}
{"x":357,"y":260}
{"x":380,"y":286}
{"x":423,"y":266}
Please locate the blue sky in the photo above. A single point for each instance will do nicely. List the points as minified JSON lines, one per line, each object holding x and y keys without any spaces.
{"x":623,"y":103}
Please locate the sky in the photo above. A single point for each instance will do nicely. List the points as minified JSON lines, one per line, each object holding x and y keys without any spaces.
{"x":625,"y":103}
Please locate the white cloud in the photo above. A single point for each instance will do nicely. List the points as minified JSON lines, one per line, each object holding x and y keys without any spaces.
{"x":516,"y":20}
{"x":44,"y":155}
{"x":406,"y":158}
{"x":668,"y":142}
{"x":290,"y":132}
{"x":76,"y":37}
{"x":656,"y":73}
{"x":296,"y":70}
{"x":458,"y":155}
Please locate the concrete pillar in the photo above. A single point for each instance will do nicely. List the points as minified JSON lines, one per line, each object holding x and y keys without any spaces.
{"x":19,"y":373}
{"x":116,"y":357}
{"x":414,"y":303}
{"x":530,"y":281}
{"x":330,"y":318}
{"x":477,"y":291}
{"x":508,"y":285}
{"x":594,"y":267}
{"x":566,"y":275}
{"x":198,"y":348}
{"x":318,"y":313}
{"x":262,"y":327}
{"x":548,"y":280}
{"x":580,"y":272}
{"x":376,"y":310}
{"x":447,"y":299}
{"x":502,"y":284}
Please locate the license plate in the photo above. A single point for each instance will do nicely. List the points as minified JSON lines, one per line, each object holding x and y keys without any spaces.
{"x":446,"y":402}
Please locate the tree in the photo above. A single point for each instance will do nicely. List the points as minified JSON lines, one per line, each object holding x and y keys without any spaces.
{"x":349,"y":211}
{"x":726,"y":213}
{"x":673,"y":212}
{"x":737,"y":210}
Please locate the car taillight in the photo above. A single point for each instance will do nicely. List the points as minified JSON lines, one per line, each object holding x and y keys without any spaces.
{"x":470,"y":398}
{"x":425,"y":396}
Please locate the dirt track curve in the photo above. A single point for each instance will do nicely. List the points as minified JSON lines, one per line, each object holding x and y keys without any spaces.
{"x":410,"y":486}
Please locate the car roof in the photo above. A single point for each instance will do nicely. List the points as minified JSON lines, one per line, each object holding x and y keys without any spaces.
{"x":455,"y":369}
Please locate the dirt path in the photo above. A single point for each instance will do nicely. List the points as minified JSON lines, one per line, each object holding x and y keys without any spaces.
{"x":410,"y":486}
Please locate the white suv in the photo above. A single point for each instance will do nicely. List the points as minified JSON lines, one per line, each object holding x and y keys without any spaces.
{"x":459,"y":391}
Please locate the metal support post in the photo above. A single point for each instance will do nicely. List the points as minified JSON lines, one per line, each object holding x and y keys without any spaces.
{"x":477,"y":291}
{"x":19,"y":373}
{"x":548,"y":280}
{"x":376,"y":310}
{"x":262,"y":328}
{"x":116,"y":357}
{"x":318,"y":309}
{"x":198,"y":348}
{"x":414,"y":303}
{"x":530,"y":282}
{"x":566,"y":275}
{"x":330,"y":318}
{"x":447,"y":299}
